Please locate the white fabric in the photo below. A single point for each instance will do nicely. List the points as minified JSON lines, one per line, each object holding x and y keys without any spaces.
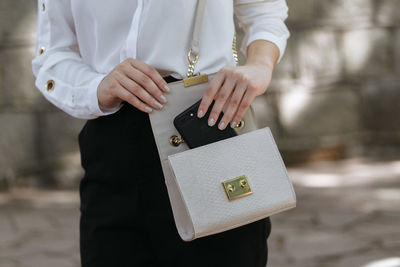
{"x":196,"y":185}
{"x":85,"y":40}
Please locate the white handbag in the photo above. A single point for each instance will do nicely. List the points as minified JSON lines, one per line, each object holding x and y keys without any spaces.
{"x":222,"y":185}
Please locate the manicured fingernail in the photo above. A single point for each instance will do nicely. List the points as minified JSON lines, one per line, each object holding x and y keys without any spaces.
{"x":211,"y":122}
{"x":167,"y":88}
{"x":163,"y":99}
{"x":149,"y":109}
{"x":221,"y":125}
{"x":158,"y":104}
{"x":233,"y":124}
{"x":200,"y":113}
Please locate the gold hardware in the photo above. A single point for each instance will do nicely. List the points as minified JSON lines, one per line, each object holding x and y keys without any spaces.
{"x":43,"y":6}
{"x":240,"y":125}
{"x":50,"y":86}
{"x":41,"y":50}
{"x":237,"y":187}
{"x":231,"y":188}
{"x":175,"y":140}
{"x":192,"y":62}
{"x":193,"y":80}
{"x":234,"y":50}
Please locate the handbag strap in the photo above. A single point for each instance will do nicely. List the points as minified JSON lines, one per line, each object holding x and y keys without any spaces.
{"x":197,"y":26}
{"x":193,"y":54}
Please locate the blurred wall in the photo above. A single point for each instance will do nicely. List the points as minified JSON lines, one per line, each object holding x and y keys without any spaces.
{"x":335,"y":93}
{"x":38,"y":143}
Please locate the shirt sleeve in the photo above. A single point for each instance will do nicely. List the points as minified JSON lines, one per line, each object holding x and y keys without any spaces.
{"x":61,"y":74}
{"x":263,"y":20}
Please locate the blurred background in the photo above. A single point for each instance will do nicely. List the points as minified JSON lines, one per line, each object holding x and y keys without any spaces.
{"x":333,"y":107}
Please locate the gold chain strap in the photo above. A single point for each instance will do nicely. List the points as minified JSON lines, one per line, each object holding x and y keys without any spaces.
{"x":234,"y":50}
{"x":192,"y":62}
{"x":193,"y":59}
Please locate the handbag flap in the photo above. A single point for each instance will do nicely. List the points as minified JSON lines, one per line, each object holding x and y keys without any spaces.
{"x":200,"y":173}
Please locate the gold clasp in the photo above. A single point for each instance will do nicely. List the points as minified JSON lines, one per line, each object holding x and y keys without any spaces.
{"x":191,"y":79}
{"x":237,"y":187}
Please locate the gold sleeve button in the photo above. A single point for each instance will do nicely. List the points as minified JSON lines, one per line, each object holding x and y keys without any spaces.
{"x":41,"y":50}
{"x":43,"y":6}
{"x":50,"y":86}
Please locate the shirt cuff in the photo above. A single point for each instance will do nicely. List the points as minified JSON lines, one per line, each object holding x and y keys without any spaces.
{"x":94,"y":101}
{"x":279,"y":42}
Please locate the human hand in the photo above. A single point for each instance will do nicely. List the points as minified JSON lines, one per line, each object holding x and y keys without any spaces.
{"x":135,"y":82}
{"x":236,"y":86}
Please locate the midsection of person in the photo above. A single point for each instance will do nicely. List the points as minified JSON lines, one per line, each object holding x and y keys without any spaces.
{"x":163,"y":31}
{"x":94,"y":55}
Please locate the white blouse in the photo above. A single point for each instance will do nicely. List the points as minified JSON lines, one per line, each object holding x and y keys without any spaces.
{"x":80,"y":42}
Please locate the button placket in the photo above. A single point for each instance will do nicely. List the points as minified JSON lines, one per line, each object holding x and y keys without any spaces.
{"x":42,"y":49}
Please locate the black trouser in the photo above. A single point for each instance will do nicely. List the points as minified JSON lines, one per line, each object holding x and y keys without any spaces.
{"x":126,"y":217}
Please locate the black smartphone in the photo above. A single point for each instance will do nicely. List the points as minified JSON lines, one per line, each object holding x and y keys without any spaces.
{"x":196,"y":132}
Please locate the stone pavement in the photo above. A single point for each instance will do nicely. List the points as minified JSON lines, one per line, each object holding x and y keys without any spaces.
{"x":348,"y":215}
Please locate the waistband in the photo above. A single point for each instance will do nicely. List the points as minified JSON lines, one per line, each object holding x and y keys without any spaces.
{"x":170,"y":79}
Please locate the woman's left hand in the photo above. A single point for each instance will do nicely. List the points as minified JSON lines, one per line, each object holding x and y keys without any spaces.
{"x":236,"y":86}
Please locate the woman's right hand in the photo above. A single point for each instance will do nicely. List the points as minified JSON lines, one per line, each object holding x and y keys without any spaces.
{"x":135,"y":82}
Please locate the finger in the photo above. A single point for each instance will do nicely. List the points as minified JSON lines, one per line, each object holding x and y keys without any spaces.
{"x":233,"y":105}
{"x":146,"y":82}
{"x":243,"y":106}
{"x":138,"y":91}
{"x":127,"y":96}
{"x":210,"y":92}
{"x":150,"y":72}
{"x":220,"y":99}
